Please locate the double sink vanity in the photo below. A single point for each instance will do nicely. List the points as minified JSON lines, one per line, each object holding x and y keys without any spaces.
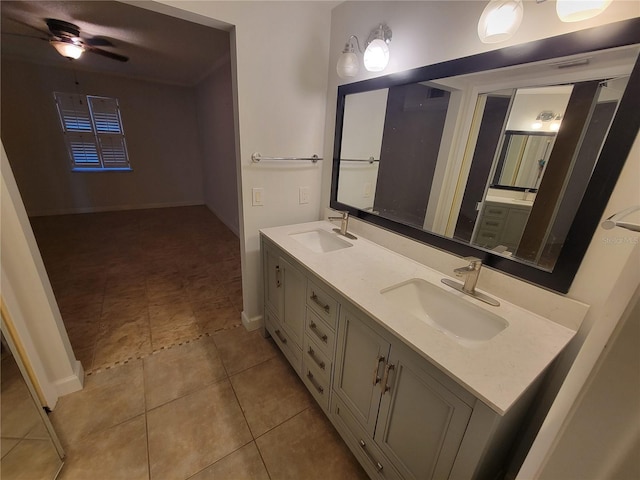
{"x":420,"y":379}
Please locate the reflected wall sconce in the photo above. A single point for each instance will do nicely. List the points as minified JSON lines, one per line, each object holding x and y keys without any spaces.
{"x":500,"y":19}
{"x":545,"y":117}
{"x":375,"y":56}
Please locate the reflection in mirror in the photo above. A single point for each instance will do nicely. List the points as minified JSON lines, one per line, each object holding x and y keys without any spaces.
{"x":28,"y":449}
{"x":497,"y":159}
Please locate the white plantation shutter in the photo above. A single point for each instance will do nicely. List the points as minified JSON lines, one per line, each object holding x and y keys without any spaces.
{"x":93,"y":131}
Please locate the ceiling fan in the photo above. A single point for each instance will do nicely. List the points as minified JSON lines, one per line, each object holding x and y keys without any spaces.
{"x":65,"y":38}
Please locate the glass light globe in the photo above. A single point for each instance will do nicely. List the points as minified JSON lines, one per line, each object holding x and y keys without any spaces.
{"x":578,"y":10}
{"x":348,"y":65}
{"x":500,"y":20}
{"x":376,"y":56}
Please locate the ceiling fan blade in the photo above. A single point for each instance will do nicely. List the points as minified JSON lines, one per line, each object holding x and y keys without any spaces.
{"x":105,"y":53}
{"x":98,"y":42}
{"x":24,"y":24}
{"x":24,"y":35}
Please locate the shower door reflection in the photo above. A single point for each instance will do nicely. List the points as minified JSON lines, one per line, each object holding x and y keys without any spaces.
{"x":30,"y":449}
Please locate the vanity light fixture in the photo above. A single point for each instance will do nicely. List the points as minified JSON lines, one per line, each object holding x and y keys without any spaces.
{"x":376,"y":54}
{"x":543,"y":117}
{"x":68,"y":49}
{"x":578,"y":10}
{"x":499,"y":20}
{"x":555,"y":125}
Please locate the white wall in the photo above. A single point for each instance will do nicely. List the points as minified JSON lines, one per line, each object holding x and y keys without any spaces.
{"x":280,"y":54}
{"x":214,"y":99}
{"x":28,"y":297}
{"x":422,"y":35}
{"x":161,"y":132}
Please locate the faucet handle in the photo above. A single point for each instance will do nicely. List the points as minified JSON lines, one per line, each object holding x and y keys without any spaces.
{"x":475,"y":262}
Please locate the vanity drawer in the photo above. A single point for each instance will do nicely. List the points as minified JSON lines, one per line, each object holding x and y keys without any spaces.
{"x":491,"y":223}
{"x":312,"y":354}
{"x":284,"y":342}
{"x":368,"y":453}
{"x":319,"y":331}
{"x":317,"y":384}
{"x":323,"y":304}
{"x":494,"y":211}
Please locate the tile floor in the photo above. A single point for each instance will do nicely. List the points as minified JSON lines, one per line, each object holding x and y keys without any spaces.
{"x":133,"y":282}
{"x":175,"y":388}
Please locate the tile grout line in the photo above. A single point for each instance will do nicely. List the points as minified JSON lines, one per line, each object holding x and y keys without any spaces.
{"x":120,"y":363}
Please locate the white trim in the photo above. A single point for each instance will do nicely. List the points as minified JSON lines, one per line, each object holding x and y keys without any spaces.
{"x":252,"y":323}
{"x":111,"y":208}
{"x":72,"y":383}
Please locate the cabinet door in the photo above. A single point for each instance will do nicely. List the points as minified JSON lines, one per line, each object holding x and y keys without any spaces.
{"x":294,"y":304}
{"x":360,"y":360}
{"x":273,"y":286}
{"x":421,"y":422}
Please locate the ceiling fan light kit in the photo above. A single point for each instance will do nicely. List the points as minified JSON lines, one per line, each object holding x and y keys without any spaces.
{"x":69,"y":49}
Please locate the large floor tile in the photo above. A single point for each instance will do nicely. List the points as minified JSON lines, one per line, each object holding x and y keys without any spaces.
{"x":194,"y":431}
{"x":109,"y":397}
{"x":215,"y":315}
{"x":307,"y":446}
{"x":175,"y":372}
{"x":240,"y":349}
{"x":270,"y":393}
{"x":243,"y":464}
{"x":118,"y":453}
{"x":119,"y":342}
{"x":172,"y":323}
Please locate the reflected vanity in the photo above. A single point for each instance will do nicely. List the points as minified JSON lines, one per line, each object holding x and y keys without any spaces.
{"x":509,"y":155}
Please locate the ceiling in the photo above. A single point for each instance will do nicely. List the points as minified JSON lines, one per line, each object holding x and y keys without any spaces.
{"x":160,"y":47}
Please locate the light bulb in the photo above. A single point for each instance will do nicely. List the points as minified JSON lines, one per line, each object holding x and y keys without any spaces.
{"x":554,"y":127}
{"x":376,"y":56}
{"x":348,"y":65}
{"x":536,"y":125}
{"x":68,"y":49}
{"x":499,"y":20}
{"x":578,"y":10}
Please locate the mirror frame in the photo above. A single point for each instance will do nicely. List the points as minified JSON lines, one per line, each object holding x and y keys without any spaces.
{"x":615,"y":149}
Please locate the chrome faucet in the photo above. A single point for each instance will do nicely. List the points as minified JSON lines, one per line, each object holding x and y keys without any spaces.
{"x":344,"y":224}
{"x":470,"y":273}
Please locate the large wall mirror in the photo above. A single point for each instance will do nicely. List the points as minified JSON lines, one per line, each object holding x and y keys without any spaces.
{"x":510,"y":155}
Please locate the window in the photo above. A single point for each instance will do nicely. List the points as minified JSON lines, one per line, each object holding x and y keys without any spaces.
{"x":93,"y":132}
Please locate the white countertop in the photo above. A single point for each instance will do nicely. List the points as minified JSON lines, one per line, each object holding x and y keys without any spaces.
{"x":497,"y":371}
{"x":509,"y":201}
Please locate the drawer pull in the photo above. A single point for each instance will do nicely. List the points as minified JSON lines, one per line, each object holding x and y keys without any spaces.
{"x":278,"y":282}
{"x":279,"y":335}
{"x":377,"y":464}
{"x":319,"y":362}
{"x":385,"y":380}
{"x":314,"y":329}
{"x":376,"y":377}
{"x":316,"y":300}
{"x":314,"y":383}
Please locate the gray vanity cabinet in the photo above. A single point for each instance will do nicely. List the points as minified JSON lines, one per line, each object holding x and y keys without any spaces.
{"x":394,"y":407}
{"x":285,"y":307}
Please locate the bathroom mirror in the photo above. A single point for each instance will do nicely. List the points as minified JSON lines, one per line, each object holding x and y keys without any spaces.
{"x":509,"y":155}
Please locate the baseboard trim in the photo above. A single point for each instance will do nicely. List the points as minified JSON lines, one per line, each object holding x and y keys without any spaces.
{"x":252,"y":323}
{"x":72,"y":383}
{"x":112,"y":208}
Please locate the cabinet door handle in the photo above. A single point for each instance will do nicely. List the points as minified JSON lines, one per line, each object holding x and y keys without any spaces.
{"x":278,"y":282}
{"x":314,"y":329}
{"x":312,"y":354}
{"x":316,"y":300}
{"x":282,"y":339}
{"x":385,"y":381}
{"x":377,"y":464}
{"x":376,"y":377}
{"x":314,"y":383}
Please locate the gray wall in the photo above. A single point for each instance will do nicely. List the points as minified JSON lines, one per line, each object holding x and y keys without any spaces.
{"x":161,"y":130}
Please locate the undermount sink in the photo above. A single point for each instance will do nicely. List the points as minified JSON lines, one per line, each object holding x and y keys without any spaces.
{"x":454,"y":316}
{"x":320,"y":241}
